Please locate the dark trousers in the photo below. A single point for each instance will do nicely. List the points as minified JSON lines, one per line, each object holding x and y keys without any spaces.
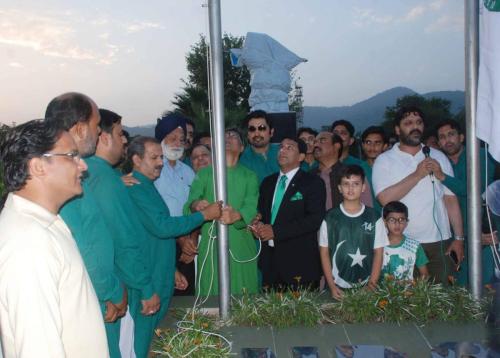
{"x":440,"y":265}
{"x":188,"y":271}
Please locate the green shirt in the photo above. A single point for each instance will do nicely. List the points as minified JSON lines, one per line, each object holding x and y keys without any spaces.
{"x":350,"y":239}
{"x":162,"y":229}
{"x":242,"y":195}
{"x":399,"y":260}
{"x":131,"y":241}
{"x":262,"y":165}
{"x":368,"y":173}
{"x":308,"y":167}
{"x":458,"y":183}
{"x":95,"y":243}
{"x":350,"y":160}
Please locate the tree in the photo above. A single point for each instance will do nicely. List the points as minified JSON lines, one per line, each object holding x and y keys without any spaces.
{"x":460,"y":118}
{"x":192,"y":101}
{"x":435,"y":110}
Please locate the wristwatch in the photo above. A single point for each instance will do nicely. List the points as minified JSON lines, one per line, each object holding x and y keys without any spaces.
{"x":459,"y":238}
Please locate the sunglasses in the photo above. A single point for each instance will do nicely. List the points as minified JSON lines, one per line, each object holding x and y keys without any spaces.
{"x":261,"y":128}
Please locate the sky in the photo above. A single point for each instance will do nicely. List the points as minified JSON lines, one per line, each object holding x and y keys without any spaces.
{"x":129,"y":56}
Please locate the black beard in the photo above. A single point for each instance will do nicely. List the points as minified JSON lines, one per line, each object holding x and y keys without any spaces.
{"x":260,"y":144}
{"x":408,"y":140}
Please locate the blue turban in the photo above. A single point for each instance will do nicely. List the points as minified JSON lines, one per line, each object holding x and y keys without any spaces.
{"x":168,"y":123}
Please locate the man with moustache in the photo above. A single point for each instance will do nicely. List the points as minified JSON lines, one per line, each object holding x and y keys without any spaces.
{"x":292,"y":206}
{"x":78,"y":114}
{"x":188,"y":144}
{"x":327,"y":150}
{"x":146,"y":155}
{"x":48,"y":307}
{"x":130,"y":238}
{"x":451,"y":141}
{"x":308,"y":135}
{"x":260,"y":155}
{"x":373,"y":142}
{"x":175,"y":179}
{"x":404,"y":173}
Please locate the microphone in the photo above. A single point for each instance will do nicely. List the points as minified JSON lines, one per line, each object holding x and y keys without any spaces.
{"x":427,"y":151}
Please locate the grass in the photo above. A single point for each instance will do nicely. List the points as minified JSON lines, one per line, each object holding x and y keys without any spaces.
{"x":198,"y":335}
{"x":407,"y":301}
{"x":277,"y":309}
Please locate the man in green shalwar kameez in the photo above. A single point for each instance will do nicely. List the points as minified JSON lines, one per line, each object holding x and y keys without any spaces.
{"x":79,"y":115}
{"x":132,"y":242}
{"x":241,"y":209}
{"x":260,"y":156}
{"x":145,"y":154}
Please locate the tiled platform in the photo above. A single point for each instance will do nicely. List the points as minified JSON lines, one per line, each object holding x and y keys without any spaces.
{"x":409,"y":338}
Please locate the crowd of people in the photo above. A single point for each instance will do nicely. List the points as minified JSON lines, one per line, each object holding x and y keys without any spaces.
{"x":98,"y":230}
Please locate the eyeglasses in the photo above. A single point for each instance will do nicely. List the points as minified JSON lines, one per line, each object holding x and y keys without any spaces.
{"x":261,"y":128}
{"x":74,"y":155}
{"x":398,"y":220}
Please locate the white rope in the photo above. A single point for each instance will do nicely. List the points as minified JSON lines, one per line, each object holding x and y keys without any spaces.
{"x":493,"y":247}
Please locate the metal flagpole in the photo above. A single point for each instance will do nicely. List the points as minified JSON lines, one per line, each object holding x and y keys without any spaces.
{"x":472,"y":149}
{"x":217,"y":90}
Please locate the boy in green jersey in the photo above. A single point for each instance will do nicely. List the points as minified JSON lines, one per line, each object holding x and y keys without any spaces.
{"x":401,"y":254}
{"x":347,"y":235}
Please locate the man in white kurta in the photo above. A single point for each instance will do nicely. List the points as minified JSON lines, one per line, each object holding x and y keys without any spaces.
{"x":48,"y":307}
{"x":406,"y":173}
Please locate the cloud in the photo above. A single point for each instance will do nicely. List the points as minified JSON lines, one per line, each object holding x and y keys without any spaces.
{"x":140,"y":26}
{"x":47,"y":34}
{"x":437,"y":5}
{"x":446,"y":23}
{"x":364,"y":17}
{"x":16,"y":65}
{"x":68,"y":35}
{"x":414,"y":13}
{"x":431,"y":12}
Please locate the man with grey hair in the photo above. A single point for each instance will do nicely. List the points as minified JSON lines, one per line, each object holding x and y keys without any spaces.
{"x":145,"y":154}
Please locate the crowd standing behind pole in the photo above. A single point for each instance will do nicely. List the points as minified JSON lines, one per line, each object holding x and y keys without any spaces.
{"x":125,"y":227}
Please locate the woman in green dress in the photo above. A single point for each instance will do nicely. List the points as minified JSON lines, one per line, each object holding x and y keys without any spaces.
{"x":242,"y":196}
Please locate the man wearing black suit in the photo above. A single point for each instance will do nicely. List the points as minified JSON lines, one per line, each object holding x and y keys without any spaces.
{"x":292,"y":206}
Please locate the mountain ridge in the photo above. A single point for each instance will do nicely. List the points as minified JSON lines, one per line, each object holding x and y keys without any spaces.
{"x":362,"y":114}
{"x":371,"y":110}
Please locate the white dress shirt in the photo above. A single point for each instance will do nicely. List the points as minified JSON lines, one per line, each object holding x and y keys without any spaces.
{"x":48,"y":307}
{"x":426,"y":210}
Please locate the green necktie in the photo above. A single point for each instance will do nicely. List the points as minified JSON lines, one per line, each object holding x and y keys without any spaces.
{"x":278,"y":197}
